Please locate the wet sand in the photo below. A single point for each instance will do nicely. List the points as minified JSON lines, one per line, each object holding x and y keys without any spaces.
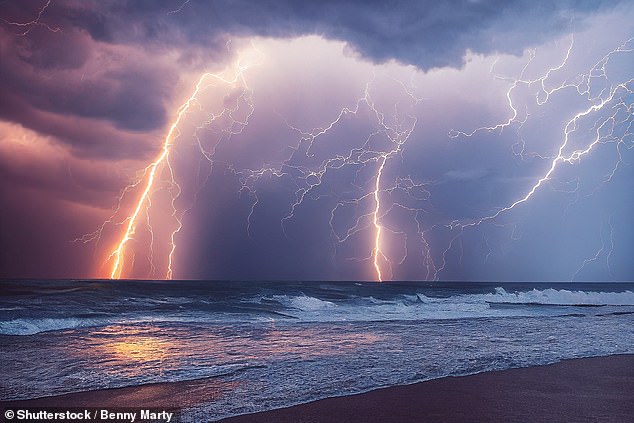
{"x":573,"y":391}
{"x":153,"y":395}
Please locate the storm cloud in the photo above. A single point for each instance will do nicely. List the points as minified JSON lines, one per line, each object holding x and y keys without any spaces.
{"x":89,"y":89}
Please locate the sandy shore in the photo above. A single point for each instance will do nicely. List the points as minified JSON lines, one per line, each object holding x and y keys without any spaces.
{"x":574,"y":391}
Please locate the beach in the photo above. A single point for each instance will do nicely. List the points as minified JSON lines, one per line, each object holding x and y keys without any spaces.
{"x":341,"y":351}
{"x":597,"y":389}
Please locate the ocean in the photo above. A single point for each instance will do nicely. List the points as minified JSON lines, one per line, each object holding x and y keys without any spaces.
{"x":274,"y":344}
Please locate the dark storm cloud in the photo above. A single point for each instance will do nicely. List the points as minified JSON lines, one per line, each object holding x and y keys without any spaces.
{"x":46,"y":70}
{"x":86,"y":137}
{"x":424,"y":33}
{"x":100,"y":99}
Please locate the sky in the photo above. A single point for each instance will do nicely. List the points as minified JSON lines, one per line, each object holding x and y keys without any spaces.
{"x":334,"y":140}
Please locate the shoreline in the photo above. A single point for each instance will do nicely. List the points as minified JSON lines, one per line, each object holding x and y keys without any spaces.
{"x":595,"y":389}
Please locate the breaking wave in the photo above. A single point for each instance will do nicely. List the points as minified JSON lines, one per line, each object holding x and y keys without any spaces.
{"x":33,"y":326}
{"x":562,"y":297}
{"x":314,"y":303}
{"x":462,"y":306}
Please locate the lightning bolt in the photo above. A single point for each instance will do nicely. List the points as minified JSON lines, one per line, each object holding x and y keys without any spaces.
{"x":374,"y":195}
{"x":162,"y":163}
{"x":605,"y":250}
{"x":28,"y":26}
{"x":117,"y":254}
{"x":376,"y":252}
{"x":310,"y":179}
{"x":525,"y":82}
{"x":179,"y":9}
{"x":614,"y":95}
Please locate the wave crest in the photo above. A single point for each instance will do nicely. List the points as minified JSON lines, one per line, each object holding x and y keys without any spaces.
{"x":564,"y":297}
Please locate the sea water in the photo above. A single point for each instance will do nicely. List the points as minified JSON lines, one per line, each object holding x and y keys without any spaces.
{"x":266,"y":345}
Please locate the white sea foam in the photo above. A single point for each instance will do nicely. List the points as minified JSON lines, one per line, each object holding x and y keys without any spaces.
{"x":552,"y":296}
{"x":464,"y":306}
{"x":33,"y":326}
{"x":304,"y":302}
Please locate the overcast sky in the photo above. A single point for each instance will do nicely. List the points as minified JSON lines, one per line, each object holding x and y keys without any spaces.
{"x":354,"y":140}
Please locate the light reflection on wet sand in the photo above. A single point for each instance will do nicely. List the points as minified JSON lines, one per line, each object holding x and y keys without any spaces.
{"x":161,"y":395}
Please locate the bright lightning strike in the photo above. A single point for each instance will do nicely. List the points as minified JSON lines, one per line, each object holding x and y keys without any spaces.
{"x":613,"y":96}
{"x":376,"y":252}
{"x":392,"y":129}
{"x":233,"y":78}
{"x":356,"y":172}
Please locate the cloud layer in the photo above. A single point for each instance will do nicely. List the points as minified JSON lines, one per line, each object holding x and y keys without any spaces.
{"x":89,"y":89}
